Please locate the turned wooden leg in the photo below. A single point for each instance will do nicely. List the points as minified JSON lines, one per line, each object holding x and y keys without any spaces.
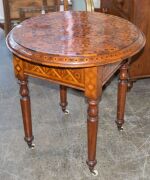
{"x":26,"y":111}
{"x":93,"y":91}
{"x":92,"y":127}
{"x":63,"y":98}
{"x":122,"y":89}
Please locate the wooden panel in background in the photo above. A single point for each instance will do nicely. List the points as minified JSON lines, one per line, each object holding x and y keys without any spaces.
{"x":138,"y":12}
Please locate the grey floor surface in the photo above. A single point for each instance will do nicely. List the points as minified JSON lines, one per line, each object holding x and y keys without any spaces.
{"x":60,"y":139}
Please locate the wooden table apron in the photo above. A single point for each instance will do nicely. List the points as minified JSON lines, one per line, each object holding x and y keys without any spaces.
{"x":78,"y":62}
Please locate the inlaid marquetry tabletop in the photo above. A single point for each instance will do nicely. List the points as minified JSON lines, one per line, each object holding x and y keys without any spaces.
{"x":75,"y":39}
{"x":81,"y":50}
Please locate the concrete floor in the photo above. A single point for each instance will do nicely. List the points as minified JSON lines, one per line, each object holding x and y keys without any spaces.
{"x":60,"y":139}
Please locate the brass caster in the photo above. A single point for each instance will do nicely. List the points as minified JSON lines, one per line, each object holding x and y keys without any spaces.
{"x":120,"y":128}
{"x":66,"y":111}
{"x":31,"y":146}
{"x":94,"y":172}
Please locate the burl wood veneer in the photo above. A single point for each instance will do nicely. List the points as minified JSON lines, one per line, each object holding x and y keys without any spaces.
{"x":81,"y":50}
{"x":138,"y":12}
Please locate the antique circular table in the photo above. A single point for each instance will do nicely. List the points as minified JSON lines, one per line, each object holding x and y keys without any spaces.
{"x":81,"y":50}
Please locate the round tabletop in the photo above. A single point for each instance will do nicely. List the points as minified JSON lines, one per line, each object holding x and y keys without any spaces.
{"x":75,"y":39}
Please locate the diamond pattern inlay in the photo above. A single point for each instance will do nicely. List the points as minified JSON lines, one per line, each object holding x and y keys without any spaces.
{"x":74,"y":77}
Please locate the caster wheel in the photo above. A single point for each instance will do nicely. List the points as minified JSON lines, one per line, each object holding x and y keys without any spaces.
{"x":31,"y":146}
{"x":120,"y":128}
{"x":94,"y":172}
{"x":66,"y":111}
